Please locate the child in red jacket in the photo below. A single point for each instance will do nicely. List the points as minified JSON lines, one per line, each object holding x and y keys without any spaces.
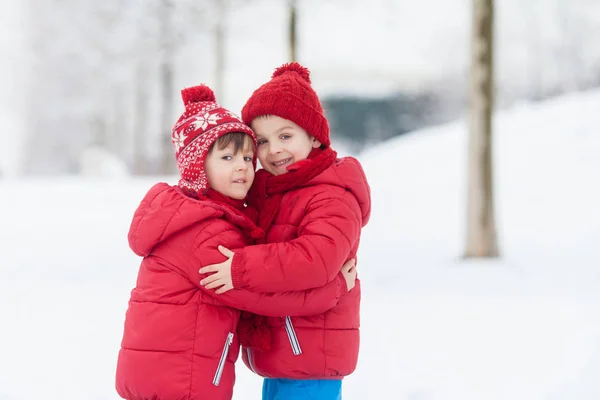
{"x":312,"y":207}
{"x":179,"y":339}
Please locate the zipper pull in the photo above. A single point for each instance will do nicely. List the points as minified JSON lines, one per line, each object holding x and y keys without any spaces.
{"x":230,"y":338}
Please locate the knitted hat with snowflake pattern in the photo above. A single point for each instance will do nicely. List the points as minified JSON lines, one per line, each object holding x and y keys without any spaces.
{"x":289,"y":95}
{"x":200,"y":125}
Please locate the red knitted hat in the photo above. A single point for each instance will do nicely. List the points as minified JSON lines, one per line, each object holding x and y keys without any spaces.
{"x":289,"y":95}
{"x":200,"y":125}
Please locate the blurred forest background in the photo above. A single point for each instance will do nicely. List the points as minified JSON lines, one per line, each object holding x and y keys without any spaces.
{"x":87,"y":80}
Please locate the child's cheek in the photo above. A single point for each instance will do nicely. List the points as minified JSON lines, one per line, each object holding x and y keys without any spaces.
{"x":262,"y":157}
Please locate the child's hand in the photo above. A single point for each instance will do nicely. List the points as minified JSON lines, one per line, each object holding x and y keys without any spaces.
{"x":222,"y":273}
{"x":349,"y":272}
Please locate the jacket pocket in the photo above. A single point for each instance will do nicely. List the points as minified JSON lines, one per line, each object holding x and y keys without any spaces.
{"x":291,"y":333}
{"x":223,"y":359}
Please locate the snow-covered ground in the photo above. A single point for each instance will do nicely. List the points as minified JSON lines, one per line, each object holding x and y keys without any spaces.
{"x":433,"y":326}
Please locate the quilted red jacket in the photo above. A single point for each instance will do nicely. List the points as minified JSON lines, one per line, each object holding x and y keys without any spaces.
{"x":179,"y":340}
{"x":316,"y":229}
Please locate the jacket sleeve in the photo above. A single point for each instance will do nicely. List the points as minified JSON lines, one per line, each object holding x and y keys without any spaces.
{"x":328,"y":233}
{"x":299,"y":303}
{"x":294,"y":303}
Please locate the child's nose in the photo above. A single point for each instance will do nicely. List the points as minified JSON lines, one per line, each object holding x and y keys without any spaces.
{"x":274,"y":149}
{"x":241,"y":166}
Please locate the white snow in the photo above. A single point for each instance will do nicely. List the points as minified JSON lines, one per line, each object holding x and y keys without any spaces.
{"x":434,"y":327}
{"x":96,"y":161}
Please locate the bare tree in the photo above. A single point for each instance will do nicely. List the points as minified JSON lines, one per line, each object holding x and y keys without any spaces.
{"x":481,"y":226}
{"x":140,"y":131}
{"x":293,"y":30}
{"x":220,"y":49}
{"x":577,"y":28}
{"x":166,"y":82}
{"x":171,"y":33}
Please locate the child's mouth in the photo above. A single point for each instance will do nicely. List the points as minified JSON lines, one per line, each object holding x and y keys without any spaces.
{"x":281,"y":163}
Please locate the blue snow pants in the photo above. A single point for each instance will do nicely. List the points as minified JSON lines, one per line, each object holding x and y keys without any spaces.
{"x":300,"y":389}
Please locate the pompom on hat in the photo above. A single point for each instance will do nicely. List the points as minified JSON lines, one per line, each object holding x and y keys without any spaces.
{"x":200,"y":125}
{"x":289,"y":95}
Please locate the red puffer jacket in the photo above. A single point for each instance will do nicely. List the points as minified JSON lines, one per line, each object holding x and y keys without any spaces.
{"x":179,"y":340}
{"x":316,"y":229}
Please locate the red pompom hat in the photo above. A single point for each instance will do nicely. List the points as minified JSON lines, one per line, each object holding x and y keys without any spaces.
{"x":200,"y":125}
{"x":289,"y":95}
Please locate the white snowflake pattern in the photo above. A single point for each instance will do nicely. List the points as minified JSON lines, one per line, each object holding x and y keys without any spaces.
{"x":205,"y":120}
{"x":179,"y":140}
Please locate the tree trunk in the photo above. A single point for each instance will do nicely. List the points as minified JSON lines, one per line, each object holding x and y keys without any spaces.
{"x":168,"y":157}
{"x":140,"y":130}
{"x":293,"y":31}
{"x":166,"y":84}
{"x":219,"y":37}
{"x":481,"y":226}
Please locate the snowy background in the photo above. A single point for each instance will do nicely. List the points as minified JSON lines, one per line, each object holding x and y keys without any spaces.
{"x":81,"y":74}
{"x":434,"y":327}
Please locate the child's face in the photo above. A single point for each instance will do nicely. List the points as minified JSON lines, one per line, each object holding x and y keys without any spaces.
{"x":281,"y":143}
{"x":228,"y":173}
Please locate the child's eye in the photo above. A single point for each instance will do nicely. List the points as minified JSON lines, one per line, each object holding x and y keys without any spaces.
{"x":248,"y":159}
{"x":285,"y":136}
{"x":226,"y":158}
{"x":261,"y":141}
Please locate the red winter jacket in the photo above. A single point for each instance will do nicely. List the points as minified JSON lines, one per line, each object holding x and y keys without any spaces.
{"x":179,"y":340}
{"x":316,"y":229}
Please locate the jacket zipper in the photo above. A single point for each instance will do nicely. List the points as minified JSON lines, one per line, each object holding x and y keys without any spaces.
{"x":250,"y":360}
{"x":223,"y":360}
{"x":289,"y":328}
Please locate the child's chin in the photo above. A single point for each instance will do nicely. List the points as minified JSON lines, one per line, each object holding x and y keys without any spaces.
{"x":238,"y":195}
{"x":277,"y":171}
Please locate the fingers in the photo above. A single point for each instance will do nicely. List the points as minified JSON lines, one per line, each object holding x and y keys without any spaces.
{"x":215,"y":284}
{"x":209,"y":268}
{"x":226,"y":252}
{"x":210,"y":279}
{"x":352,"y":273}
{"x":224,"y":289}
{"x":348,"y":265}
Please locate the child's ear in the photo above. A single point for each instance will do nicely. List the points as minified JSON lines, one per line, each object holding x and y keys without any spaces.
{"x":316,"y":144}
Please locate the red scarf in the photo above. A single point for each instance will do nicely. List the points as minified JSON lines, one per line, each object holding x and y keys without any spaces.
{"x":238,"y":208}
{"x":217,"y":197}
{"x":267,"y":191}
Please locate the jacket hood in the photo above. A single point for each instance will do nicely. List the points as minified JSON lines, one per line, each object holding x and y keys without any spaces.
{"x":165,"y":211}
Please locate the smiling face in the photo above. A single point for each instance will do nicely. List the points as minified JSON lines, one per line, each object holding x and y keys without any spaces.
{"x":281,"y":143}
{"x":229,"y":166}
